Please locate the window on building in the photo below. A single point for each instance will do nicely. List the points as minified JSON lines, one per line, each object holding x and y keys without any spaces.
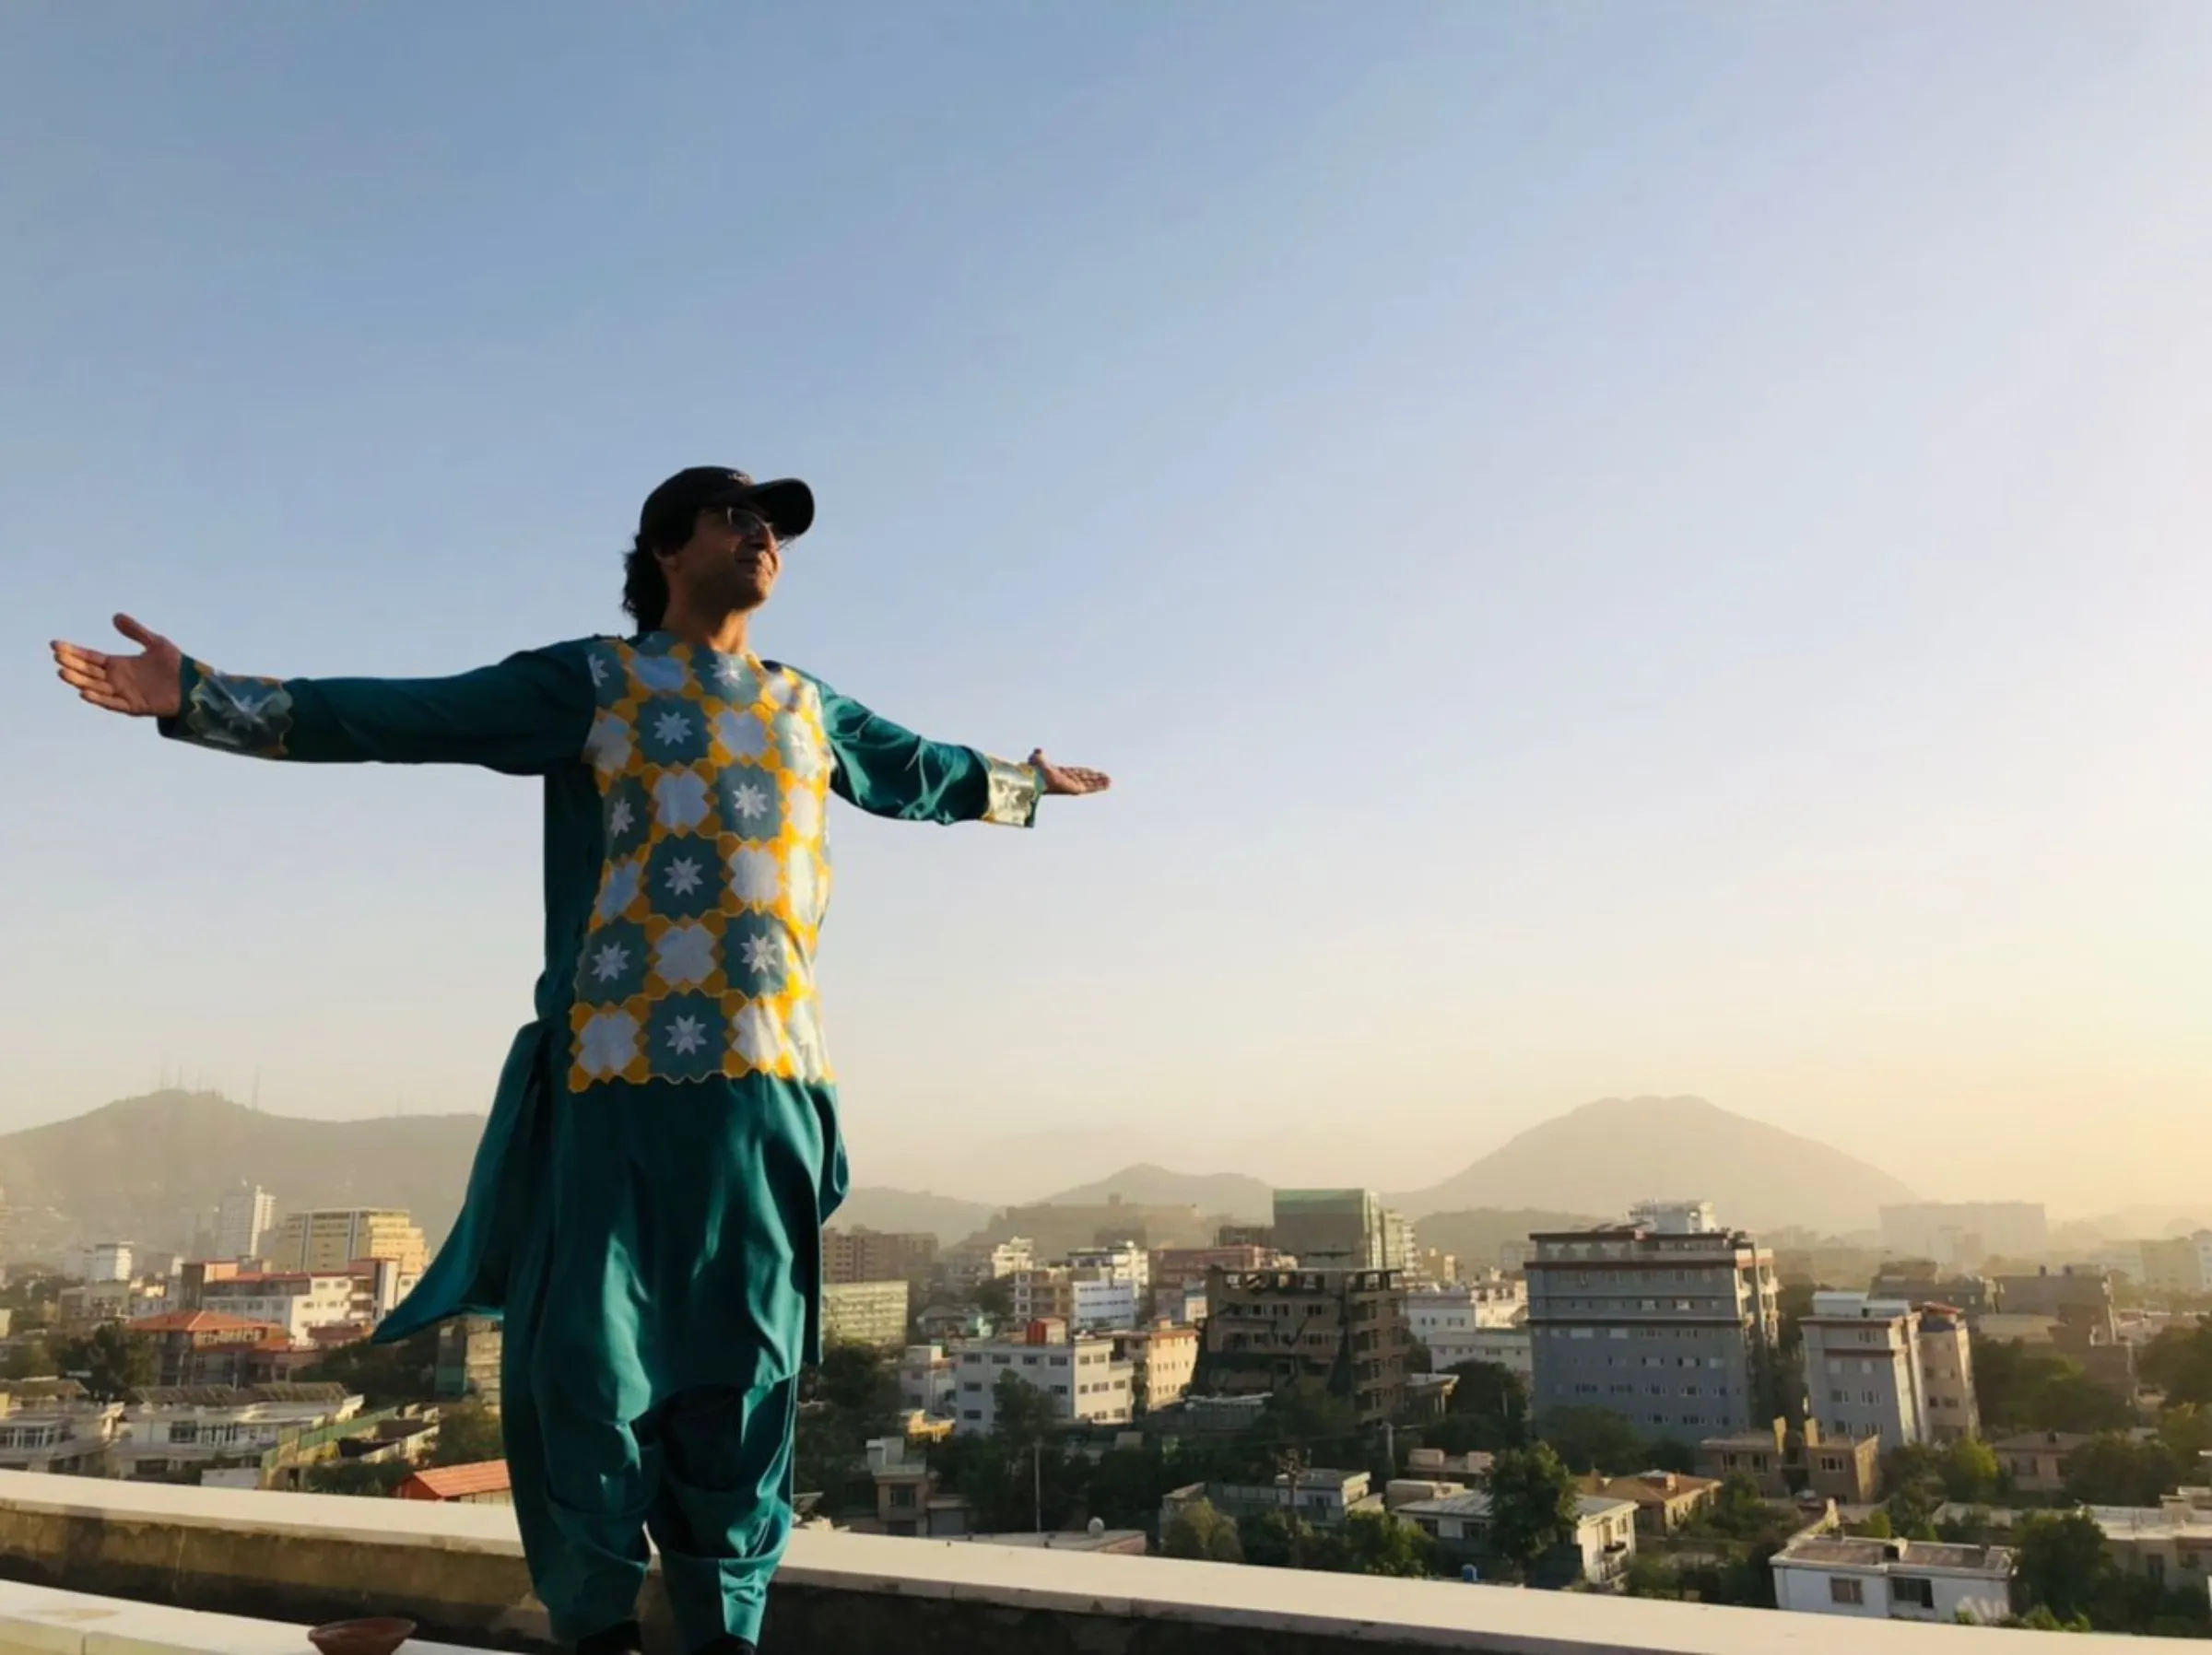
{"x":1913,"y":1591}
{"x":1844,"y":1589}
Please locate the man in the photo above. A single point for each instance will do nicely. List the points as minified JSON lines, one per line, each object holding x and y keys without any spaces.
{"x":646,"y":1205}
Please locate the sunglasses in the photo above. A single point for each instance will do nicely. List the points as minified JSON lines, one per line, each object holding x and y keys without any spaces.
{"x":747,"y":523}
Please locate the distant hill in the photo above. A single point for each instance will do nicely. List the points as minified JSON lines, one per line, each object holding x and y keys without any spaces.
{"x":145,"y":1170}
{"x":941,"y":1215}
{"x":1475,"y":1238}
{"x":1228,"y":1194}
{"x":1606,"y":1156}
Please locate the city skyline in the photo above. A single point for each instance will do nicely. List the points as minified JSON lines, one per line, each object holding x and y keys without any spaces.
{"x":1651,"y":554}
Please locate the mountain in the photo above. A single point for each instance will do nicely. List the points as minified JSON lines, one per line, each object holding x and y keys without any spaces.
{"x":147,"y":1169}
{"x":1607,"y":1155}
{"x":948,"y":1219}
{"x":1228,"y":1194}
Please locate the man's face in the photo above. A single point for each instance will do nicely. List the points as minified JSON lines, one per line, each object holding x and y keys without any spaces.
{"x":730,"y":563}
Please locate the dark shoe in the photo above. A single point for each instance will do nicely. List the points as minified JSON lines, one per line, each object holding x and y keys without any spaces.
{"x":624,"y":1640}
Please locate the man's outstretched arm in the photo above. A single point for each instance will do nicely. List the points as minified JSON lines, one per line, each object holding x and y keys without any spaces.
{"x":889,"y":770}
{"x":527,"y":713}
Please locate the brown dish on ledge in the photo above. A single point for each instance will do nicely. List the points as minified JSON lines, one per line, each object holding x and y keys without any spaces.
{"x":378,"y":1636}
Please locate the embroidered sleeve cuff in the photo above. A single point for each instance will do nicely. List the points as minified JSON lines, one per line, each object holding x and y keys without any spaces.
{"x":252,"y":716}
{"x":1014,"y":790}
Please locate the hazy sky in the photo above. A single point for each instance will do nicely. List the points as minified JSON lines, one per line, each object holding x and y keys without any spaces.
{"x":1610,"y":548}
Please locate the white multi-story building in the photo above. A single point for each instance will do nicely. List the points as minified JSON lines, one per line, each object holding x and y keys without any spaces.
{"x":171,"y":1430}
{"x":1675,"y":1217}
{"x":244,"y":1220}
{"x":928,"y":1379}
{"x":1079,"y":1376}
{"x":1448,"y":1320}
{"x":1894,"y":1579}
{"x":1097,"y":1304}
{"x":297,"y":1301}
{"x":1121,"y":1261}
{"x":101,"y":1261}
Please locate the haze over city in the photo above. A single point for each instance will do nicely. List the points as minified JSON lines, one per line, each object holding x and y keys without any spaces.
{"x":1657,"y":550}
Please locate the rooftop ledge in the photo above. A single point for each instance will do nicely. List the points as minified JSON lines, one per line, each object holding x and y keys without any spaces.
{"x":298,"y":1558}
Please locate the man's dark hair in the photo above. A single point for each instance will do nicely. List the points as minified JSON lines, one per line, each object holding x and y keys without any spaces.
{"x":644,"y":583}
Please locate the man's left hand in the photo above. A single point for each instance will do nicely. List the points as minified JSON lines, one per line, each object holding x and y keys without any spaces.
{"x":1069,"y":779}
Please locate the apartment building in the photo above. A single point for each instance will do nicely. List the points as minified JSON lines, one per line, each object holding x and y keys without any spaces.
{"x":1341,"y":1229}
{"x":1894,"y":1579}
{"x":333,"y":1238}
{"x":1042,"y":1293}
{"x":1449,"y":1320}
{"x":1965,"y":1232}
{"x":244,"y":1220}
{"x":1342,"y":1330}
{"x":1174,"y":1269}
{"x":1603,"y":1545}
{"x":869,"y":1313}
{"x":100,"y":1261}
{"x":469,"y":1351}
{"x":1097,"y":1303}
{"x":866,"y":1255}
{"x":1163,"y":1360}
{"x":1078,"y":1374}
{"x":2179,"y":1265}
{"x":1674,"y":1330}
{"x":1946,"y":1363}
{"x":928,"y":1381}
{"x":1865,"y":1374}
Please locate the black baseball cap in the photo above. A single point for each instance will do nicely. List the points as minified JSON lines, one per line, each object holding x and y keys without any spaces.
{"x":785,"y":503}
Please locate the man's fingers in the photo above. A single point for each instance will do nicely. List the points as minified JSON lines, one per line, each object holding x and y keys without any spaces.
{"x":137,"y":633}
{"x":78,"y":677}
{"x":76,"y":653}
{"x":105,"y":698}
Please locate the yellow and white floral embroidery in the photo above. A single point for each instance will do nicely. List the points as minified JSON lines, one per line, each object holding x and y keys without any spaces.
{"x":698,"y":958}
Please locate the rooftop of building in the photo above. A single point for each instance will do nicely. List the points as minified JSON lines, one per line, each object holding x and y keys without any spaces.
{"x":1647,"y":1487}
{"x":457,"y":1568}
{"x":459,"y":1482}
{"x":1918,"y":1556}
{"x":2028,"y":1441}
{"x":1475,"y":1503}
{"x":198,"y":1321}
{"x":238,"y":1396}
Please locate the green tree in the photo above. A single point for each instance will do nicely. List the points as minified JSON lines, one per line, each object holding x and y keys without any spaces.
{"x":2063,"y":1565}
{"x":857,"y":1381}
{"x":1126,"y":1486}
{"x":383,"y":1376}
{"x":1273,"y":1539}
{"x":469,"y":1434}
{"x":1199,"y":1531}
{"x":2179,"y":1362}
{"x":1592,"y":1440}
{"x":2022,"y":1389}
{"x":995,"y":1298}
{"x":1533,"y":1506}
{"x":1492,"y":1402}
{"x":1306,"y":1415}
{"x":110,"y":1360}
{"x":1971,"y":1473}
{"x":2187,"y":1432}
{"x":1738,"y":1509}
{"x":30,"y":1359}
{"x":1374,"y":1542}
{"x":381,"y":1478}
{"x":1912,"y":1508}
{"x":1024,"y":1412}
{"x":2114,"y":1470}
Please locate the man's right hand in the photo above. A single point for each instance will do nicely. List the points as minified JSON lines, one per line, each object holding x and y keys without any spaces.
{"x":148,"y":684}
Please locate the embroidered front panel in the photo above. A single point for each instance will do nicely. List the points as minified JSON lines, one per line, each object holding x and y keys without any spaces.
{"x":242,"y":715}
{"x":698,"y":958}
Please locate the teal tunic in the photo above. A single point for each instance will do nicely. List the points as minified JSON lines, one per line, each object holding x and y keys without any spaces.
{"x":646,"y":1202}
